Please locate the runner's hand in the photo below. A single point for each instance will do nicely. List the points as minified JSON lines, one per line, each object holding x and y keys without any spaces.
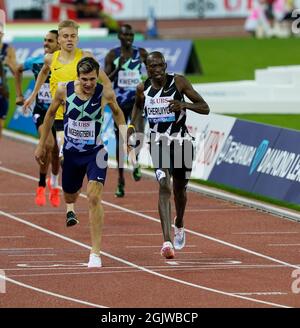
{"x":175,"y":105}
{"x":39,"y":154}
{"x":27,"y":103}
{"x":20,"y":101}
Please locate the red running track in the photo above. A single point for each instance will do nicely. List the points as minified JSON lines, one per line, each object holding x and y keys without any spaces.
{"x":235,"y":256}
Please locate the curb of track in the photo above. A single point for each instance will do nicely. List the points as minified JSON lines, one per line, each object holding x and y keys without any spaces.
{"x":207,"y":191}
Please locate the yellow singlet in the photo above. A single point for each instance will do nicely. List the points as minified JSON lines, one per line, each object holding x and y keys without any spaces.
{"x":62,"y":73}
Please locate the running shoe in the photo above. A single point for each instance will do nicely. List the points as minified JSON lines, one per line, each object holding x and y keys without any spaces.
{"x":120,"y":192}
{"x":54,"y":194}
{"x":167,"y":250}
{"x":136,"y":173}
{"x":40,"y":196}
{"x":94,"y":261}
{"x":71,"y":219}
{"x":179,"y":237}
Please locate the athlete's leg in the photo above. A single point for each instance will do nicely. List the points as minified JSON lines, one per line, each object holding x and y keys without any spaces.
{"x":3,"y":112}
{"x":96,"y":214}
{"x":73,"y":173}
{"x":1,"y":126}
{"x":164,"y":203}
{"x":180,"y":199}
{"x":48,"y":154}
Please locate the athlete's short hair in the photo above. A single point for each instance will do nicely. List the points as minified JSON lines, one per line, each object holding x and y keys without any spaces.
{"x":87,"y":65}
{"x":68,"y":23}
{"x":54,"y":32}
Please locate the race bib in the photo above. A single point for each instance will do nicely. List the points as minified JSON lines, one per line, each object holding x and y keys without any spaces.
{"x":158,"y":110}
{"x":44,"y":94}
{"x":82,"y":131}
{"x":129,"y":79}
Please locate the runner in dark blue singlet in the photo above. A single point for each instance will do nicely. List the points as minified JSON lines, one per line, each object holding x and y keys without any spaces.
{"x":84,"y":151}
{"x":123,"y":66}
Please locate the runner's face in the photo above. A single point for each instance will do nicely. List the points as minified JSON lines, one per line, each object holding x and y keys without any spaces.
{"x":88,"y":82}
{"x":126,"y":37}
{"x":50,"y":43}
{"x":156,"y":67}
{"x":68,"y":38}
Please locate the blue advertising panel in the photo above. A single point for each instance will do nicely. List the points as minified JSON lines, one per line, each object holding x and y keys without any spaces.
{"x":242,"y":153}
{"x":176,"y":52}
{"x":23,"y":122}
{"x":280,"y":169}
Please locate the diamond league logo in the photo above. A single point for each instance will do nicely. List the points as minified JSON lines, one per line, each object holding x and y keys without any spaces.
{"x":259,"y":154}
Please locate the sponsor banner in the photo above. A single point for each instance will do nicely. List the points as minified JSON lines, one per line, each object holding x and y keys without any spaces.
{"x":176,"y":52}
{"x":210,"y":132}
{"x":243,"y":151}
{"x":132,"y":9}
{"x":279,"y":168}
{"x":23,"y":122}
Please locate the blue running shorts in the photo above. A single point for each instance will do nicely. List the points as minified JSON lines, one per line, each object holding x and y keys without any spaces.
{"x":76,"y":165}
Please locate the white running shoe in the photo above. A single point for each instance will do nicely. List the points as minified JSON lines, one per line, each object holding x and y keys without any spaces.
{"x":167,"y":250}
{"x":94,"y":261}
{"x":179,"y":237}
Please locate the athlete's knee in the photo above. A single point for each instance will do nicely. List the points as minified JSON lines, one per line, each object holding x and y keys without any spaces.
{"x":94,"y":193}
{"x":179,"y":188}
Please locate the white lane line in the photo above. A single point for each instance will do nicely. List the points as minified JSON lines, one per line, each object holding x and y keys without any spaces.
{"x":31,"y":255}
{"x":23,"y":249}
{"x":11,"y":237}
{"x":43,"y":291}
{"x":157,"y":246}
{"x":183,"y":282}
{"x":131,"y":234}
{"x":283,"y":245}
{"x":262,"y":293}
{"x":265,"y":233}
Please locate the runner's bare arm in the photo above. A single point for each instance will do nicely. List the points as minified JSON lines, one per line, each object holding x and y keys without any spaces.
{"x":198,"y":104}
{"x":10,"y":59}
{"x":137,"y":121}
{"x":117,"y":113}
{"x":42,"y":77}
{"x":18,"y":84}
{"x":110,"y":69}
{"x":59,"y":99}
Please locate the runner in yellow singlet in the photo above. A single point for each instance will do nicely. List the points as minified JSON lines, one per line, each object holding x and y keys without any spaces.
{"x":62,"y":65}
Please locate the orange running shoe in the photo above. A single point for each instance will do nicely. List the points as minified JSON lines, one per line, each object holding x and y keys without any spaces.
{"x":54,"y":194}
{"x":54,"y":197}
{"x":40,"y":196}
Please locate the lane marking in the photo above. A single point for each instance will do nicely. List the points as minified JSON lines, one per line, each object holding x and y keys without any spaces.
{"x":183,"y":282}
{"x":11,"y":237}
{"x":283,"y":245}
{"x":43,"y":291}
{"x":23,"y":249}
{"x":265,"y":233}
{"x":263,"y":293}
{"x":156,"y":246}
{"x":31,"y":255}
